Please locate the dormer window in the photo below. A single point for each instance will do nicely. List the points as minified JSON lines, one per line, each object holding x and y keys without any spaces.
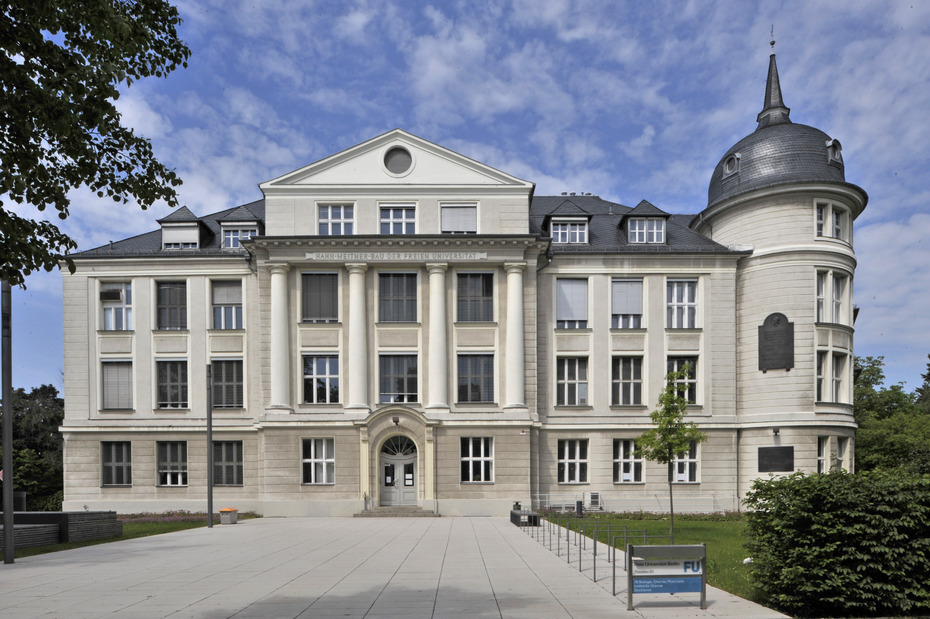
{"x":834,"y":151}
{"x":731,"y":165}
{"x":647,"y":230}
{"x":181,"y":245}
{"x":233,"y":236}
{"x":569,"y":231}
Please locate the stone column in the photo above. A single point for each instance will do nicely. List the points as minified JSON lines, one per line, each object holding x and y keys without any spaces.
{"x":358,"y":339}
{"x":515,"y":371}
{"x":280,"y":334}
{"x":437,"y":363}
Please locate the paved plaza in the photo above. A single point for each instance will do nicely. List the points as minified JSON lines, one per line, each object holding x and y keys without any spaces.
{"x":335,"y":567}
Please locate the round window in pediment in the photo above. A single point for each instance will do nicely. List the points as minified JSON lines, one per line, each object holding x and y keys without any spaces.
{"x":398,"y":160}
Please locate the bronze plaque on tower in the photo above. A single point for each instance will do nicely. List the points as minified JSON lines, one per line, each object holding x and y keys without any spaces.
{"x":776,"y":343}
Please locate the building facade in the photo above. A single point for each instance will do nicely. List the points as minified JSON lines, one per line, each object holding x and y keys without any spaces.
{"x":399,"y":325}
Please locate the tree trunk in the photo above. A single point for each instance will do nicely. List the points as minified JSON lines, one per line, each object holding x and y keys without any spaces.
{"x":671,"y":505}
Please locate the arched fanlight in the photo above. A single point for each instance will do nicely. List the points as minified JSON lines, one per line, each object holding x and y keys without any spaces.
{"x":399,"y":446}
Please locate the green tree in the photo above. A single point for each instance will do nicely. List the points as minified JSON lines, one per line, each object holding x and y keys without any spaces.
{"x":672,"y":435}
{"x":61,"y":66}
{"x":922,"y":393}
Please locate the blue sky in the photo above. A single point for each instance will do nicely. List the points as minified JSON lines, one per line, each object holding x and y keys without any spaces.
{"x":626,"y":100}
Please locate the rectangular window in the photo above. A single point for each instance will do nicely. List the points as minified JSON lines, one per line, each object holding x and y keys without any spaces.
{"x":227,"y":463}
{"x":839,"y":224}
{"x":116,"y":459}
{"x":571,"y":303}
{"x":398,"y":219}
{"x":477,"y":459}
{"x":172,"y":384}
{"x":839,"y":294}
{"x":475,"y":297}
{"x":476,"y":378}
{"x":822,"y":444}
{"x":172,"y":463}
{"x":318,"y":462}
{"x":627,"y":381}
{"x":821,"y":295}
{"x":189,"y":245}
{"x":397,"y":297}
{"x":459,"y":218}
{"x":171,"y":305}
{"x":647,"y":230}
{"x":227,"y":384}
{"x":116,"y":299}
{"x":319,"y":297}
{"x":684,"y":465}
{"x":336,"y":219}
{"x":839,"y":372}
{"x":227,"y":305}
{"x":821,"y":374}
{"x":571,"y":381}
{"x":233,"y":237}
{"x":688,"y":382}
{"x":117,"y":385}
{"x":821,"y":218}
{"x":321,"y":379}
{"x":573,"y":461}
{"x":628,"y":469}
{"x":682,"y":304}
{"x":842,"y":443}
{"x":626,"y":303}
{"x":398,"y":379}
{"x":569,"y":231}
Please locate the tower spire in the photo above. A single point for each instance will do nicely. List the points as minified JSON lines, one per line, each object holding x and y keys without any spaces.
{"x":773,"y":111}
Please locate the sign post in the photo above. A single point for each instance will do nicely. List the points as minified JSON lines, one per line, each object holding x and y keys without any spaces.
{"x":666,"y":569}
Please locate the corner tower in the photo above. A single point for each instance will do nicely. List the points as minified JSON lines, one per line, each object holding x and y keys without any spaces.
{"x":782,"y":192}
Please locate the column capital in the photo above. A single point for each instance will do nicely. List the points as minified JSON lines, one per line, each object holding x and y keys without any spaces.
{"x":437,"y":267}
{"x":279,"y":268}
{"x":515,"y":267}
{"x":357,"y":267}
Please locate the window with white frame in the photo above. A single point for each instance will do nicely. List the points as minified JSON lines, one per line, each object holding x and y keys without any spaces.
{"x":116,"y":462}
{"x":832,"y":221}
{"x":318,"y":461}
{"x":647,"y":230}
{"x":573,"y":461}
{"x":227,"y":463}
{"x":397,"y":297}
{"x":336,"y":219}
{"x":821,"y":374}
{"x":185,"y":245}
{"x":626,"y":381}
{"x":477,"y":454}
{"x":117,"y":385}
{"x":476,"y":378}
{"x":232,"y":237}
{"x":842,"y":444}
{"x":227,"y":304}
{"x":398,"y":378}
{"x":321,"y":379}
{"x":172,"y":384}
{"x":685,"y":465}
{"x":571,"y":383}
{"x":398,"y":219}
{"x":571,"y":311}
{"x":171,"y":305}
{"x":821,"y":217}
{"x":822,"y":445}
{"x":475,"y":297}
{"x":564,"y":231}
{"x":832,"y":307}
{"x":319,"y":297}
{"x":839,"y":375}
{"x":821,"y":295}
{"x":628,"y":469}
{"x":682,"y":304}
{"x":839,"y":296}
{"x":459,"y":218}
{"x":228,"y":384}
{"x":626,"y":303}
{"x":688,"y":382}
{"x":172,"y":463}
{"x":116,"y":301}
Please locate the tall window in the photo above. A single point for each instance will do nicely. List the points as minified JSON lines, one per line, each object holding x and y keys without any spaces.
{"x":172,"y":463}
{"x":171,"y":305}
{"x":116,"y":299}
{"x":839,"y":372}
{"x":628,"y":469}
{"x":822,"y":463}
{"x":571,"y":384}
{"x":321,"y":379}
{"x":682,"y":304}
{"x":832,"y":221}
{"x":684,"y":465}
{"x":232,"y":237}
{"x":821,"y":374}
{"x":336,"y":219}
{"x":116,"y":459}
{"x":573,"y":461}
{"x":626,"y":381}
{"x":647,"y":230}
{"x":626,"y":303}
{"x":319,"y":297}
{"x":397,"y":297}
{"x":459,"y":218}
{"x":569,"y":231}
{"x":117,"y":385}
{"x":689,"y":381}
{"x":477,"y":459}
{"x":839,"y":224}
{"x":821,"y":295}
{"x":398,"y":379}
{"x":476,"y":378}
{"x":475,"y":297}
{"x":227,"y":384}
{"x":227,"y":305}
{"x":821,"y":217}
{"x":318,"y":461}
{"x":227,"y":463}
{"x":398,"y":219}
{"x":839,"y":294}
{"x":172,"y":384}
{"x":842,"y":444}
{"x":571,"y":303}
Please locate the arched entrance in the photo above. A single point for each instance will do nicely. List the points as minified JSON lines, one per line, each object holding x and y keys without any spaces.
{"x":398,"y":471}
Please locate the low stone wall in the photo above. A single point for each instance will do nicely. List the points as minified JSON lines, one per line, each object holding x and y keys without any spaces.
{"x":29,"y":535}
{"x":67,"y":527}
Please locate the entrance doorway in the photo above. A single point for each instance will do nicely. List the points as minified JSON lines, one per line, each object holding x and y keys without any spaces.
{"x":399,"y":471}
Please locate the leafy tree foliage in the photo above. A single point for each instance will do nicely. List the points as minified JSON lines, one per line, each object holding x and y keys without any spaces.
{"x":61,"y":66}
{"x":37,"y":446}
{"x":923,"y":392}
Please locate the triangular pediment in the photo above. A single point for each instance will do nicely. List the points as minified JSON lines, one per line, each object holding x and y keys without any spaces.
{"x":395,"y":158}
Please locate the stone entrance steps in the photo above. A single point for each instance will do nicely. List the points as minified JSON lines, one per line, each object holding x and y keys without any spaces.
{"x":397,"y":511}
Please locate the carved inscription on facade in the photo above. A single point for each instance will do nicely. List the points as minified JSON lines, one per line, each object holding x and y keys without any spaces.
{"x":396,"y":256}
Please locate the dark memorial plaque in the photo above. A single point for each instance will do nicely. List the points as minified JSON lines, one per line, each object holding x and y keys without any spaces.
{"x":776,"y":343}
{"x":776,"y":459}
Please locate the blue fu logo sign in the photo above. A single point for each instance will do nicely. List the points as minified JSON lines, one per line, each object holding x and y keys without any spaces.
{"x":666,"y":569}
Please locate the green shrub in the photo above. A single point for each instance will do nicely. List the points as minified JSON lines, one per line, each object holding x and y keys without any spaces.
{"x":840,"y":544}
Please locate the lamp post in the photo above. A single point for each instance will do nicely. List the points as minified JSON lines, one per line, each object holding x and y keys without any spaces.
{"x":7,"y":353}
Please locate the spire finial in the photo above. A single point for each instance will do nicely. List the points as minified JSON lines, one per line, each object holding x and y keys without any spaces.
{"x":774,"y":111}
{"x":772,"y":41}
